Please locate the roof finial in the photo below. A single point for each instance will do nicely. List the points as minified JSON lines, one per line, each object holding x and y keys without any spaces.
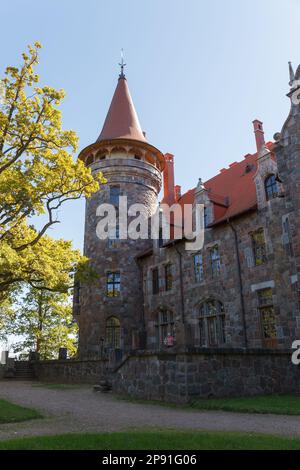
{"x":292,"y":74}
{"x":122,"y":65}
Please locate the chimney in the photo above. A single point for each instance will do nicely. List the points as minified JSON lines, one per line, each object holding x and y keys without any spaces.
{"x":169,"y":190}
{"x":177,"y":192}
{"x":259,"y":134}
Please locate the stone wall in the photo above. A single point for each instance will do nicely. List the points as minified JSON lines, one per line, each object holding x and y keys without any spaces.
{"x":181,"y":377}
{"x":70,"y":371}
{"x":139,"y":182}
{"x":278,"y":272}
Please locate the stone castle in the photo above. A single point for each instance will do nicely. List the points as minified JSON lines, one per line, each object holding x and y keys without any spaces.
{"x":241,"y":291}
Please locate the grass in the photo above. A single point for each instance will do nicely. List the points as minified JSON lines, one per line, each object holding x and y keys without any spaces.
{"x":11,"y":413}
{"x":269,"y":404}
{"x":154,"y":440}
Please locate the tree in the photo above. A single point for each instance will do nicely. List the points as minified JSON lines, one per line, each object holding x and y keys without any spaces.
{"x":37,"y":175}
{"x":43,"y":320}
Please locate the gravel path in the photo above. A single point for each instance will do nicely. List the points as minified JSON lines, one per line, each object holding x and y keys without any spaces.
{"x":82,"y":410}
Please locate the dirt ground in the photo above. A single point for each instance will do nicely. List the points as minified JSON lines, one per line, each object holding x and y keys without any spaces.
{"x":80,"y":409}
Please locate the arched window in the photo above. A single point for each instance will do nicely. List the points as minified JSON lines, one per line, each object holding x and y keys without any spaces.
{"x":89,"y":160}
{"x":211,"y":324}
{"x":113,"y":333}
{"x":271,"y":187}
{"x":164,"y":327}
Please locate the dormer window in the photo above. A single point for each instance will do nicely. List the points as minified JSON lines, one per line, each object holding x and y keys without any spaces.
{"x":271,"y":187}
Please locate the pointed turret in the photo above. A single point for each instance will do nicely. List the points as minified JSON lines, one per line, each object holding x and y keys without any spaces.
{"x":133,"y":168}
{"x":292,"y":74}
{"x":122,"y":121}
{"x":122,"y":130}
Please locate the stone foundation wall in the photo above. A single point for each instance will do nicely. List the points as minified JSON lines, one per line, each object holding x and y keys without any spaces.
{"x":70,"y":371}
{"x":181,"y":377}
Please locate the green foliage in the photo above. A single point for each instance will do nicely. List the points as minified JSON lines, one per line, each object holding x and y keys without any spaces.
{"x":44,"y":321}
{"x":154,"y":440}
{"x":11,"y":413}
{"x":37,"y":175}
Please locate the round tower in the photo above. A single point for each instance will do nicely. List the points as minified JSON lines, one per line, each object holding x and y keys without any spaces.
{"x":111,"y":309}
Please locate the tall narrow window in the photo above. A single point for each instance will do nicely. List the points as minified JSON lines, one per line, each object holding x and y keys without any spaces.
{"x":267,"y":317}
{"x":155,"y":281}
{"x":206,"y":218}
{"x":168,"y":277}
{"x":114,"y":242}
{"x":271,"y":187}
{"x":113,"y":284}
{"x":259,"y":247}
{"x":212,"y":324}
{"x":164,"y":326}
{"x":198,"y":267}
{"x":114,"y":194}
{"x":215,"y":261}
{"x":113,"y":333}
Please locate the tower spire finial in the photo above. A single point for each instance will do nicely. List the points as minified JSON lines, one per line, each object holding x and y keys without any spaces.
{"x":122,"y":65}
{"x":292,"y":74}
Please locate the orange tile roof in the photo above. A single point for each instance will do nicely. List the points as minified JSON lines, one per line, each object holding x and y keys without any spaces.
{"x":232,"y":191}
{"x":122,"y":121}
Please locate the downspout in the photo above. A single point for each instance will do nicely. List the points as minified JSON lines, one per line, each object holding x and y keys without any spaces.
{"x":181,"y":285}
{"x":143,"y":339}
{"x":139,"y":263}
{"x":240,"y":282}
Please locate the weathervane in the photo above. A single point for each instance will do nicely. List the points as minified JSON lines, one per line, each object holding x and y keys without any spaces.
{"x":122,"y":65}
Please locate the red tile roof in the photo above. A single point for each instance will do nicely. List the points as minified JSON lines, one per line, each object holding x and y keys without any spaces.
{"x":122,"y":121}
{"x":232,"y":191}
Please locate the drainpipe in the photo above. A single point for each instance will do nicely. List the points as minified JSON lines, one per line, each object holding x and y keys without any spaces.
{"x":140,"y":266}
{"x":240,"y":282}
{"x":181,"y":285}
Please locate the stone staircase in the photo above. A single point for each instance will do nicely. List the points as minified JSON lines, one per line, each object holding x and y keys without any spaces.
{"x":24,"y":370}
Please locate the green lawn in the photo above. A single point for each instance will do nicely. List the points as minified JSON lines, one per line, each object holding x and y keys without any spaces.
{"x":11,"y":413}
{"x":150,"y":440}
{"x":274,"y":404}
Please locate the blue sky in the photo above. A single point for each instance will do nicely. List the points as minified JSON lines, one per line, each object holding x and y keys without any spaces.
{"x":199,"y":72}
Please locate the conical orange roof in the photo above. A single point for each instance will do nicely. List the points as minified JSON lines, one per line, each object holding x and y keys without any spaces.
{"x":122,"y":121}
